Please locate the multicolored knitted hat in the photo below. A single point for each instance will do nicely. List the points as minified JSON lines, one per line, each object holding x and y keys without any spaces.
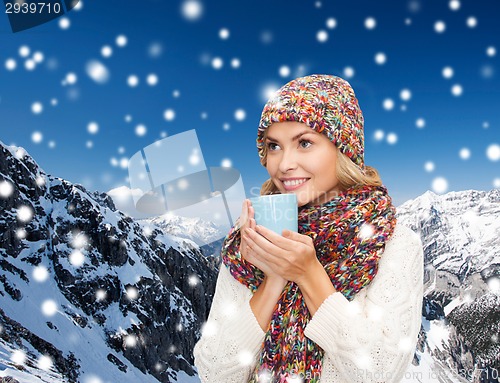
{"x":325,"y":103}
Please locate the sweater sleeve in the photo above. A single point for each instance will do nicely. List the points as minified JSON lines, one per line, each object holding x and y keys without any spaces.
{"x":231,"y":338}
{"x":373,"y":337}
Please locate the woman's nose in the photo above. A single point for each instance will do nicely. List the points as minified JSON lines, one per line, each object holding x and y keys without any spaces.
{"x":288,"y":161}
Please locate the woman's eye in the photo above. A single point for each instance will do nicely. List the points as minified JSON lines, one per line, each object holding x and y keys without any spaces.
{"x":272,"y":146}
{"x":305,"y":144}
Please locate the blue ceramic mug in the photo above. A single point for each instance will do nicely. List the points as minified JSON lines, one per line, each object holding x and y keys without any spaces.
{"x":276,"y":211}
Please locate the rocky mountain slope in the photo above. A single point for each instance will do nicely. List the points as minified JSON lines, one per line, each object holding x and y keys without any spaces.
{"x":86,"y":293}
{"x":460,"y":232}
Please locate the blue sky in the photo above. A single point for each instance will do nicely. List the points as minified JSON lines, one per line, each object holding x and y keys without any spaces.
{"x":194,"y":58}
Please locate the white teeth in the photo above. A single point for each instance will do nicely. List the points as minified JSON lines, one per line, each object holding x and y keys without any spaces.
{"x":294,"y":182}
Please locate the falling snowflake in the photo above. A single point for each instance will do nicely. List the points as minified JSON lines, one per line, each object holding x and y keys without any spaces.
{"x":45,"y":363}
{"x":132,"y":292}
{"x":194,"y":158}
{"x":226,"y":163}
{"x":97,"y":71}
{"x":284,"y":71}
{"x":71,"y":78}
{"x":331,"y":23}
{"x":226,"y":126}
{"x":494,"y":284}
{"x":349,"y":72}
{"x":64,"y":23}
{"x":235,"y":63}
{"x":447,"y":72}
{"x":240,"y":114}
{"x":491,"y":51}
{"x":24,"y":213}
{"x":121,"y":41}
{"x":37,"y":107}
{"x":269,"y":91}
{"x":89,"y":144}
{"x":457,"y":90}
{"x":420,"y":123}
{"x":140,"y":130}
{"x":493,"y":152}
{"x":6,"y":189}
{"x":101,"y":295}
{"x":172,"y":349}
{"x":132,"y":80}
{"x":124,"y":162}
{"x":265,"y":377}
{"x":224,"y":33}
{"x":464,"y":154}
{"x":496,"y":183}
{"x":76,"y":258}
{"x":322,"y":36}
{"x":30,"y":64}
{"x":18,"y":357}
{"x":193,"y":280}
{"x":192,"y":10}
{"x":40,"y":273}
{"x":10,"y":64}
{"x":24,"y":51}
{"x":169,"y":114}
{"x":182,"y":184}
{"x":439,"y":26}
{"x":36,"y":137}
{"x":92,"y":379}
{"x":370,"y":23}
{"x":130,"y":340}
{"x":380,"y":58}
{"x":405,"y":94}
{"x":217,"y":63}
{"x":440,"y":185}
{"x":21,"y":233}
{"x":38,"y":57}
{"x":388,"y":104}
{"x":155,"y":50}
{"x":49,"y":308}
{"x":471,"y":22}
{"x":366,"y":231}
{"x":106,"y":51}
{"x":92,"y":127}
{"x":378,"y":135}
{"x":392,"y":138}
{"x":152,"y":79}
{"x":454,"y":5}
{"x":429,"y":166}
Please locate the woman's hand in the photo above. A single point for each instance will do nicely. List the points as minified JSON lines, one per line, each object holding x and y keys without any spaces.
{"x":291,"y":256}
{"x":247,"y":220}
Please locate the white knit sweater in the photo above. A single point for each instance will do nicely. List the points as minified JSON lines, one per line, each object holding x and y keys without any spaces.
{"x":370,"y":339}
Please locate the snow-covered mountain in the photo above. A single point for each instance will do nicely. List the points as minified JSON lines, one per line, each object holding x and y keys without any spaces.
{"x":199,"y":231}
{"x":87,"y":294}
{"x":460,"y":232}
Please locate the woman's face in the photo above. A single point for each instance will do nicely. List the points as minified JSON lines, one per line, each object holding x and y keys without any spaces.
{"x":301,"y":161}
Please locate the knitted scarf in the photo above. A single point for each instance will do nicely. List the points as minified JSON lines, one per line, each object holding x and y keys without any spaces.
{"x":349,"y":234}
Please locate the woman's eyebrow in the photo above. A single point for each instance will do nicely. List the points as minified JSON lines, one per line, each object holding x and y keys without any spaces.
{"x":294,"y":138}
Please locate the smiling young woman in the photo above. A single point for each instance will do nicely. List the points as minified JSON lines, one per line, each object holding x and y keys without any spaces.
{"x":340,"y":300}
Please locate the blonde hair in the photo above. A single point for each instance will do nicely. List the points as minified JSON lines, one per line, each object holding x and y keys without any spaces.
{"x":348,"y":173}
